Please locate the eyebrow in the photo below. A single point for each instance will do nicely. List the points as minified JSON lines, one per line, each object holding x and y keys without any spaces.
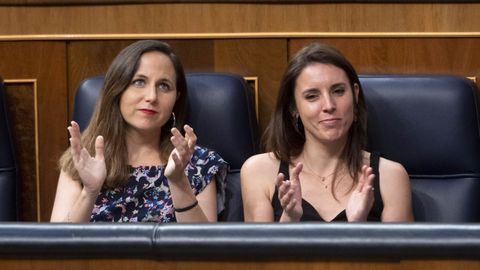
{"x":338,"y":84}
{"x":146,"y":77}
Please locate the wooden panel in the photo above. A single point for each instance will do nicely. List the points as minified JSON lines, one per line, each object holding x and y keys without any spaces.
{"x":262,"y":58}
{"x":20,"y":103}
{"x":45,"y":62}
{"x":88,"y":264}
{"x":239,"y":18}
{"x":400,"y":55}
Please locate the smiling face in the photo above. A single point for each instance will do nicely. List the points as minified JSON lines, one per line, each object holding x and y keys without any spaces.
{"x":147,"y":103}
{"x":324,"y":101}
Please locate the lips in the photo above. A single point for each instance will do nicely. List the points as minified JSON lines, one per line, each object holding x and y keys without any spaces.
{"x":330,"y":121}
{"x":148,"y":111}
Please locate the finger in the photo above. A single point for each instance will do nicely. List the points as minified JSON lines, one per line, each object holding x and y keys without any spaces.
{"x":284,"y":188}
{"x":190,"y":136}
{"x":74,"y":151}
{"x":291,"y":205}
{"x":178,"y":141}
{"x":279,"y":179}
{"x":74,"y":130}
{"x":75,"y":136}
{"x":180,"y":145}
{"x":286,"y":199}
{"x":295,"y":175}
{"x":99,"y":147}
{"x":367,"y":178}
{"x":361,"y":179}
{"x":176,"y":159}
{"x":177,"y":137}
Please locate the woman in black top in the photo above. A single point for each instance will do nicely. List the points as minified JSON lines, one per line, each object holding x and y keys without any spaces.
{"x":316,"y":167}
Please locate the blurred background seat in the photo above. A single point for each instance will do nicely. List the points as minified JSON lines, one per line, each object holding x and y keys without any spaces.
{"x":8,"y":171}
{"x":222,"y":113}
{"x":430,"y":124}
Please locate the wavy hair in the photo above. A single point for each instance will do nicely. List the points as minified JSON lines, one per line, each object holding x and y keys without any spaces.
{"x":107,"y":119}
{"x":285,"y":135}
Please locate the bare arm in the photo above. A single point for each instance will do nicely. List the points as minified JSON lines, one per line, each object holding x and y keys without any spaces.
{"x":396,"y":192}
{"x":74,"y":200}
{"x":182,"y":193}
{"x":257,"y":181}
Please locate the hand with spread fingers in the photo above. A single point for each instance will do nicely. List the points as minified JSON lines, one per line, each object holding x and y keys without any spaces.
{"x":290,"y":195}
{"x":181,"y":154}
{"x":92,"y":170}
{"x":361,"y":200}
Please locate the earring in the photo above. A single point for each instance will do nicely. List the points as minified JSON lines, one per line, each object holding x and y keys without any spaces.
{"x":174,"y":124}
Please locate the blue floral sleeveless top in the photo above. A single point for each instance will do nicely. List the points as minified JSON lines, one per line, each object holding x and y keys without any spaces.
{"x":146,"y":197}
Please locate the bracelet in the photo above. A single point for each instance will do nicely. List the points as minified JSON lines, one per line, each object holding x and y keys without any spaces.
{"x":184,"y":209}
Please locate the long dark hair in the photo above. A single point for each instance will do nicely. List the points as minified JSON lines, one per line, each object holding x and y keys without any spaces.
{"x":285,"y":134}
{"x":107,"y":119}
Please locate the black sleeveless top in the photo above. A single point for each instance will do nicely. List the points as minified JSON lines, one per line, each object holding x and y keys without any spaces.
{"x":309,"y":212}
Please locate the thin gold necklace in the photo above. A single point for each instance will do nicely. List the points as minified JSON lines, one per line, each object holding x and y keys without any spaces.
{"x":321,"y":177}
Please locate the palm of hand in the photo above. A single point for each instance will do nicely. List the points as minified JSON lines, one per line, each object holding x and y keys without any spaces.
{"x":181,"y":154}
{"x":358,"y":206}
{"x":361,"y":199}
{"x":92,"y":170}
{"x":296,"y":210}
{"x":176,"y":165}
{"x":290,"y":194}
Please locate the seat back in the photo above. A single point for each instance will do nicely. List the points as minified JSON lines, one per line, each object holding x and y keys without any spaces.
{"x":430,"y":124}
{"x":8,"y":170}
{"x":222,"y":114}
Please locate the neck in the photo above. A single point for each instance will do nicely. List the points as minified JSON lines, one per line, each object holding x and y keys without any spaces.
{"x":322,"y":158}
{"x":143,"y":148}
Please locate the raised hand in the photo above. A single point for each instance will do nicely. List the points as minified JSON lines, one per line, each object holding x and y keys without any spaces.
{"x":361,"y":200}
{"x":92,"y":170}
{"x":181,"y":154}
{"x":290,"y":194}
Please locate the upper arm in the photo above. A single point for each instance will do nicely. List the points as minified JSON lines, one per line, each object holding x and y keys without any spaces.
{"x":257,"y":179}
{"x":68,"y":190}
{"x":396,"y":192}
{"x":207,"y":199}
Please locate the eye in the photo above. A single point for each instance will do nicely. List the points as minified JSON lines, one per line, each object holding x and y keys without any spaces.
{"x":138,"y":83}
{"x":164,"y":86}
{"x":311,"y":97}
{"x":339,"y":91}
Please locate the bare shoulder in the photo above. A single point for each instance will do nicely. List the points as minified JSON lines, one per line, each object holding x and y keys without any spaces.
{"x":261,"y":160}
{"x":391,"y":169}
{"x":261,"y":166}
{"x":396,"y":192}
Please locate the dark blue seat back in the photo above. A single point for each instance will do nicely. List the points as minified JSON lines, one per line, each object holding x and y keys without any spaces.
{"x":222,"y":114}
{"x":430,"y":124}
{"x":8,"y":170}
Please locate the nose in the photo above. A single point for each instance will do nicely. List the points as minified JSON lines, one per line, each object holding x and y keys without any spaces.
{"x":329,"y":105}
{"x":151,"y":94}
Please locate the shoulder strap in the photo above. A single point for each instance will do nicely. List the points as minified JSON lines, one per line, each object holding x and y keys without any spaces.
{"x":377,"y":208}
{"x":284,"y":169}
{"x":374,"y":160}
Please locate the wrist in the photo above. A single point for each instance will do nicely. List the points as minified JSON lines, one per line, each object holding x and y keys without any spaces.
{"x":89,"y":193}
{"x":290,"y":218}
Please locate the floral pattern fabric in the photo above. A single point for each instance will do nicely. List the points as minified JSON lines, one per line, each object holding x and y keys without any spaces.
{"x":146,"y":197}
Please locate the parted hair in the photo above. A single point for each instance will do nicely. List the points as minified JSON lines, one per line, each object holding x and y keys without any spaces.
{"x":107,"y":119}
{"x":285,"y":134}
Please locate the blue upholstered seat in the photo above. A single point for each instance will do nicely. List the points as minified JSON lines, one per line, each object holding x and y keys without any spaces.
{"x":430,"y":124}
